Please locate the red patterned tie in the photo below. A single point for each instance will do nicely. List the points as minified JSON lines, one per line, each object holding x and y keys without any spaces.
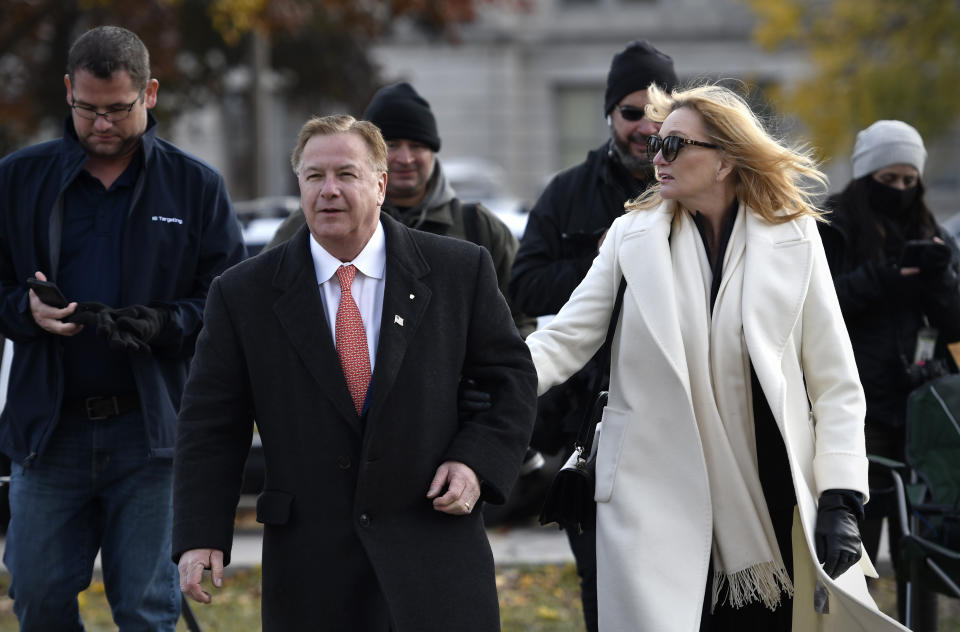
{"x":352,"y":340}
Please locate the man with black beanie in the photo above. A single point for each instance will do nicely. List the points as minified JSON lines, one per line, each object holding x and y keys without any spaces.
{"x":400,"y":112}
{"x":563,"y":236}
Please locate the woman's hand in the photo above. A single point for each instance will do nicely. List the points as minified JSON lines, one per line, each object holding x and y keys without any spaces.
{"x":837,"y":533}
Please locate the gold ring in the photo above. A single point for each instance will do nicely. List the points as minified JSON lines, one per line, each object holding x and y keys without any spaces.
{"x":467,"y":505}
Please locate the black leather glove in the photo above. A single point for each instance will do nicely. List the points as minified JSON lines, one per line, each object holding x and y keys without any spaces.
{"x":86,"y":313}
{"x":131,"y":328}
{"x":470,"y":399}
{"x":142,"y":321}
{"x":936,"y":273}
{"x":117,"y":338}
{"x":837,"y":534}
{"x":934,"y":259}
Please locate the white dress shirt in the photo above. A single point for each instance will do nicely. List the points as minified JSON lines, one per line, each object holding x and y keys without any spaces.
{"x":367,"y":286}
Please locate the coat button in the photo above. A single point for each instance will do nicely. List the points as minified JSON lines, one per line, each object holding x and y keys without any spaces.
{"x":364,"y":520}
{"x":343,"y":462}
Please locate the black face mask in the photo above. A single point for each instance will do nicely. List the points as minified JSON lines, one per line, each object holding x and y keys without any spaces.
{"x":888,"y":200}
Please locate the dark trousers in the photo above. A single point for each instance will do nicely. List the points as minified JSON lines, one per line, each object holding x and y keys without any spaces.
{"x":755,"y":616}
{"x":584,"y":547}
{"x":95,"y":489}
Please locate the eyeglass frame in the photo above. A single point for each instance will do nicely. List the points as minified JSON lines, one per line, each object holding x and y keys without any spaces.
{"x":631,"y":113}
{"x":125,"y":110}
{"x":681,"y":141}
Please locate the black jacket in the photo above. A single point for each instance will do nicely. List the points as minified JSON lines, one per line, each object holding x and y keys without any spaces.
{"x":180,"y":233}
{"x":559,"y":244}
{"x":884,"y":314}
{"x":344,"y":500}
{"x":564,"y":228}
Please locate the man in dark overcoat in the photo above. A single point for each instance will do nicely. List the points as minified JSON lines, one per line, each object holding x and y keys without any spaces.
{"x":372,"y":480}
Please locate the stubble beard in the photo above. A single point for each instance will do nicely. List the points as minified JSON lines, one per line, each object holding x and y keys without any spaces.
{"x":126,"y":146}
{"x":639,"y":166}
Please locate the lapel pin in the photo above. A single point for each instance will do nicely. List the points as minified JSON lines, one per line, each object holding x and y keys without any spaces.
{"x":411,"y":297}
{"x":398,"y":319}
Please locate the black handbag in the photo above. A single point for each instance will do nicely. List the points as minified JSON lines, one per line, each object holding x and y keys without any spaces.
{"x":569,"y":501}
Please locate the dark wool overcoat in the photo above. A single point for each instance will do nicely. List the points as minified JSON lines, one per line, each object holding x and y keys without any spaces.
{"x":350,"y":540}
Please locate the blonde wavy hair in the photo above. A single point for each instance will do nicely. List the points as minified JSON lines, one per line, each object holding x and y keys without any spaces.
{"x":778,"y":182}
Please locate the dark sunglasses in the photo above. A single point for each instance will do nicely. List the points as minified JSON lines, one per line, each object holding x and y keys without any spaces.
{"x":631,"y":112}
{"x":670,"y":146}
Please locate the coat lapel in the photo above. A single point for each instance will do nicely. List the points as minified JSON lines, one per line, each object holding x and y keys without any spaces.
{"x":405,"y":300}
{"x":644,"y":257}
{"x":300,"y":312}
{"x":776,"y":276}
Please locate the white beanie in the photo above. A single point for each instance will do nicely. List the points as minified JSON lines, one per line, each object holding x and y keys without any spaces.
{"x":887,"y":143}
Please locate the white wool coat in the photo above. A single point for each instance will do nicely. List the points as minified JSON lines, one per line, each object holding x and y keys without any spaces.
{"x":654,"y":522}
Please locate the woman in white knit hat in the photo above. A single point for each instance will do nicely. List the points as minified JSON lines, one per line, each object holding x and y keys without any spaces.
{"x":891,"y":298}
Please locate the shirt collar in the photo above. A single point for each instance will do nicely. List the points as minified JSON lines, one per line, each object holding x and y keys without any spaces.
{"x":371,"y":262}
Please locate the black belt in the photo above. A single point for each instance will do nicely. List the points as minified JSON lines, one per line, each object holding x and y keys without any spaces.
{"x":97,"y":408}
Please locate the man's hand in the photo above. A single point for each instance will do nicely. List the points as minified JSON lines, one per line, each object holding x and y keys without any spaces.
{"x":191,"y":566}
{"x":50,"y":318}
{"x":462,"y":489}
{"x":131,"y":328}
{"x":142,"y":321}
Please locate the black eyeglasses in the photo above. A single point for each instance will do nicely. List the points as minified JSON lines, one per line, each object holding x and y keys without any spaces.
{"x":113,"y":115}
{"x":631,"y":112}
{"x":670,"y":146}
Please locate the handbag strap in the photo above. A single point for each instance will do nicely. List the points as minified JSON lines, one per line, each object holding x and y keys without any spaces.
{"x":592,"y":415}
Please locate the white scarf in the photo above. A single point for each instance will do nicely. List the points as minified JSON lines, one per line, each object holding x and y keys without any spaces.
{"x":746,"y":559}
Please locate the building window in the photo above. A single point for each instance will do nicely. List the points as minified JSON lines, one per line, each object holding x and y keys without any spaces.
{"x":579,"y":121}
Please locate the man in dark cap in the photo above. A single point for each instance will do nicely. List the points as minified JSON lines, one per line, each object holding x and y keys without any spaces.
{"x":418,"y":193}
{"x":563,"y":236}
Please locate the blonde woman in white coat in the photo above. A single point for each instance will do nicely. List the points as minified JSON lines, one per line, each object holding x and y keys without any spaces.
{"x":730,"y":471}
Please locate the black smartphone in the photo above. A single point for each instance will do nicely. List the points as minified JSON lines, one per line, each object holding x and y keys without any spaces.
{"x":912,"y":255}
{"x":48,"y":292}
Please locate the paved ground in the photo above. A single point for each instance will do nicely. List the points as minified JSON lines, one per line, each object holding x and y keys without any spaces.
{"x":511,"y":545}
{"x":528,"y":544}
{"x":515,"y":545}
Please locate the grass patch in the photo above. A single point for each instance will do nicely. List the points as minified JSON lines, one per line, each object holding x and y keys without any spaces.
{"x":235,"y":607}
{"x":541,"y":598}
{"x":532,"y":599}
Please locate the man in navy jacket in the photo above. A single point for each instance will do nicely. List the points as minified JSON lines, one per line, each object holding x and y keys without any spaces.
{"x":133,"y":231}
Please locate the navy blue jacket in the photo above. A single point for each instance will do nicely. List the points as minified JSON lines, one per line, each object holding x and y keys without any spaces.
{"x":180,"y":233}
